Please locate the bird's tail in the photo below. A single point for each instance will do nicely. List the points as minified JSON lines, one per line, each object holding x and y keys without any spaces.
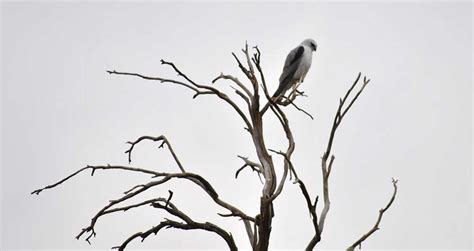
{"x":282,"y":88}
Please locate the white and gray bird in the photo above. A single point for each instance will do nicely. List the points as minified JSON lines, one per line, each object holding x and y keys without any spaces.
{"x":296,"y":67}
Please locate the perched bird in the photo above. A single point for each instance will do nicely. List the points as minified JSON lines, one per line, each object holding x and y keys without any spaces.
{"x":296,"y":66}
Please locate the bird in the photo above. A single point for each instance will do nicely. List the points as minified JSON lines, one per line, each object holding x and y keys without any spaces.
{"x":296,"y":67}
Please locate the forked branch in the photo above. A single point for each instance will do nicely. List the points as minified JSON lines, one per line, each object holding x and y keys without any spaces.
{"x":188,"y":224}
{"x":379,"y":218}
{"x":325,"y":166}
{"x":200,"y":89}
{"x":258,"y":228}
{"x":165,"y":177}
{"x":256,"y":167}
{"x":163,"y":140}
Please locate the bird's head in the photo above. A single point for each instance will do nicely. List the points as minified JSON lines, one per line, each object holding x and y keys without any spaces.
{"x":310,"y":43}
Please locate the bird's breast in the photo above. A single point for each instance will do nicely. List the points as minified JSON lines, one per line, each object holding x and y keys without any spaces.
{"x":304,"y":65}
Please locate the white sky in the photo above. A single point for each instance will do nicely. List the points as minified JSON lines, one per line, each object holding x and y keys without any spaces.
{"x":61,"y":111}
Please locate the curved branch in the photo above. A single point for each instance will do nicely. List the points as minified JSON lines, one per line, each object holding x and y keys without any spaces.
{"x":220,"y":94}
{"x":127,"y":196}
{"x":257,"y":61}
{"x":280,"y":186}
{"x":93,"y":168}
{"x":235,"y":80}
{"x":197,"y":179}
{"x":193,"y":86}
{"x":342,"y":112}
{"x":203,"y":183}
{"x":247,"y":55}
{"x":325,"y":166}
{"x":256,"y":167}
{"x":155,"y":139}
{"x":327,"y":203}
{"x":126,"y":208}
{"x":247,"y":73}
{"x":289,"y":135}
{"x":184,"y":226}
{"x":163,"y":80}
{"x":291,"y":102}
{"x":188,"y":224}
{"x":311,"y":206}
{"x":376,"y":226}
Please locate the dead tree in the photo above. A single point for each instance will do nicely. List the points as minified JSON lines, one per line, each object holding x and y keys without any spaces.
{"x":257,"y":225}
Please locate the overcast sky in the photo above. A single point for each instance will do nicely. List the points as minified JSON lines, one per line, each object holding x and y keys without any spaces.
{"x":61,"y":111}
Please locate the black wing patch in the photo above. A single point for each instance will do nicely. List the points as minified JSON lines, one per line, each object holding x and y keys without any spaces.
{"x":298,"y":55}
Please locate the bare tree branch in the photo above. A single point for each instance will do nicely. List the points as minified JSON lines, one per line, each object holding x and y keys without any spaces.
{"x":205,"y":88}
{"x":250,"y":234}
{"x":133,"y":188}
{"x":242,"y":67}
{"x":188,"y":224}
{"x":220,"y":94}
{"x":256,"y":167}
{"x":93,"y":168}
{"x":209,"y":190}
{"x":341,"y":113}
{"x":127,"y":196}
{"x":285,"y":125}
{"x":163,"y":80}
{"x":131,"y":206}
{"x":289,"y":135}
{"x":163,"y":140}
{"x":247,"y":101}
{"x":193,"y":86}
{"x":379,"y":218}
{"x":325,"y":167}
{"x":256,"y":60}
{"x":236,"y":81}
{"x":327,"y":202}
{"x":266,"y":208}
{"x":310,"y":205}
{"x":283,"y":176}
{"x":291,"y":102}
{"x":203,"y":183}
{"x":249,"y":62}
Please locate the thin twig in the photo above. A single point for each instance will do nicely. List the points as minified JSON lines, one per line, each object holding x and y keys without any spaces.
{"x":193,"y":86}
{"x":163,"y":80}
{"x":165,"y":177}
{"x":235,"y":80}
{"x":379,"y":218}
{"x":256,"y":167}
{"x":93,"y":168}
{"x":301,"y":109}
{"x":283,"y":176}
{"x":188,"y":224}
{"x":325,"y":167}
{"x":155,"y":139}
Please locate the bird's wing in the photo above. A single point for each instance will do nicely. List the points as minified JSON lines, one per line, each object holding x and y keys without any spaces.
{"x":292,"y":62}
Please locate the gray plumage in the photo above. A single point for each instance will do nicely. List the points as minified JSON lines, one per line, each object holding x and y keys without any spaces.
{"x":296,"y":66}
